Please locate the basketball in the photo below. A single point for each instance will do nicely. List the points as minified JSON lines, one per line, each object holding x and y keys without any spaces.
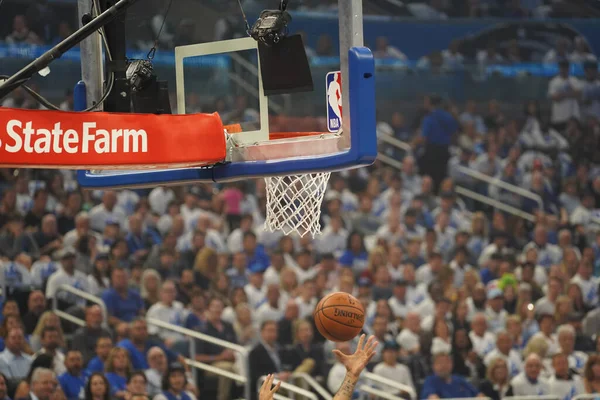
{"x":339,"y":317}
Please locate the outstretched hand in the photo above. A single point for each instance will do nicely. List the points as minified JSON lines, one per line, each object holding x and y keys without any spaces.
{"x":357,"y":362}
{"x":266,"y":393}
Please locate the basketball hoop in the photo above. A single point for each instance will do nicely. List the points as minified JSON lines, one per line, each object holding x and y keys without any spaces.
{"x":294,"y":203}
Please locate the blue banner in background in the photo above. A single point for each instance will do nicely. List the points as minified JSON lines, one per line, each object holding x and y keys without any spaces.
{"x":417,"y":38}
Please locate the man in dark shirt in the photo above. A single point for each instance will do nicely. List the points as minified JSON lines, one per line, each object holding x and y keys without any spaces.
{"x":437,"y":130}
{"x":85,"y":338}
{"x":36,"y":306}
{"x":216,"y":355}
{"x":33,"y":219}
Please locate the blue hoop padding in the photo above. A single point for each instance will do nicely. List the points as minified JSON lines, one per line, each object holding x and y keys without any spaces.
{"x":362,"y":151}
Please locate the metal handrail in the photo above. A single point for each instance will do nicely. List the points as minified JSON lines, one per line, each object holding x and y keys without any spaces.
{"x":83,"y":295}
{"x":210,"y":339}
{"x":161,"y":324}
{"x":391,"y":161}
{"x":397,"y":385}
{"x":217,"y":371}
{"x":290,"y":388}
{"x":586,"y":396}
{"x":471,"y":172}
{"x":384,"y":137}
{"x":504,"y":185}
{"x":541,"y":397}
{"x":378,"y":392}
{"x":312,"y":382}
{"x":495,"y":203}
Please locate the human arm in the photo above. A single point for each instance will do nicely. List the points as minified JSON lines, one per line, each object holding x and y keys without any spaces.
{"x":267,"y":391}
{"x":354,"y":364}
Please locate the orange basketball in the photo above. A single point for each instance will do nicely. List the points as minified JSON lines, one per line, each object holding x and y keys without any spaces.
{"x":339,"y":317}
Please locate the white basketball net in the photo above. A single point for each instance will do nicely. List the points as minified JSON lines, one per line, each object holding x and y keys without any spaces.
{"x":294,"y":203}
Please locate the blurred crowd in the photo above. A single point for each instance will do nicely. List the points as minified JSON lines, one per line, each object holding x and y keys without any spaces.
{"x":465,"y":298}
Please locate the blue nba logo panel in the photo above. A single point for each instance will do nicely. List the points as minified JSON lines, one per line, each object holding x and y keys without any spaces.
{"x":334,"y":101}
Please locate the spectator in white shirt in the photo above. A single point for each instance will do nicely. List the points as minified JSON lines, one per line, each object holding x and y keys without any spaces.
{"x":529,"y":382}
{"x":460,"y":265}
{"x":453,"y":59}
{"x":504,"y":349}
{"x":391,"y":369}
{"x":564,"y":383}
{"x":581,"y":53}
{"x":546,"y":324}
{"x":398,"y":302}
{"x":255,"y":289}
{"x":547,"y":304}
{"x":105,"y":211}
{"x":384,"y":50}
{"x":490,"y":56}
{"x":270,"y":310}
{"x":159,"y":199}
{"x":494,"y":310}
{"x":236,"y":238}
{"x":334,"y":237}
{"x":564,"y":91}
{"x":582,"y":215}
{"x":272,"y":274}
{"x":305,"y":269}
{"x":554,"y":56}
{"x":158,"y":363}
{"x":167,"y":310}
{"x":548,"y":254}
{"x":483,"y":341}
{"x":307,"y":300}
{"x":429,"y":272}
{"x":566,"y":342}
{"x":409,"y":337}
{"x":50,"y":338}
{"x":587,"y":283}
{"x":67,"y":275}
{"x":14,"y":364}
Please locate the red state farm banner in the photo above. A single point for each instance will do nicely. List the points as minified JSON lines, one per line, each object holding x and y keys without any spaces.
{"x":56,"y":139}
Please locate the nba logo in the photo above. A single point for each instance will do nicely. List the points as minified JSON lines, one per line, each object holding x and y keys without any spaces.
{"x":334,"y":101}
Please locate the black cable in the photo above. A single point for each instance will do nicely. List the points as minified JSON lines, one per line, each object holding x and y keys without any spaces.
{"x":152,"y":51}
{"x":245,"y":18}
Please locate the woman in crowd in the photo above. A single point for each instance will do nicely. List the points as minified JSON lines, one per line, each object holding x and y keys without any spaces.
{"x":591,"y":374}
{"x":99,"y":279}
{"x":97,"y":387}
{"x":50,"y":319}
{"x":150,"y":290}
{"x":137,"y":384}
{"x":117,"y":369}
{"x":496,"y":386}
{"x":466,"y":362}
{"x":174,"y":385}
{"x":243,"y":325}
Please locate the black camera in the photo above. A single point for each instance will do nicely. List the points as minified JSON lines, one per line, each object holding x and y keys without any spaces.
{"x":271,"y":26}
{"x":139,"y":74}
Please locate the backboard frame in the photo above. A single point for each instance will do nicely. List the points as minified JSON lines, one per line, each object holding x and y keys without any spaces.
{"x":354,"y":146}
{"x":212,"y":48}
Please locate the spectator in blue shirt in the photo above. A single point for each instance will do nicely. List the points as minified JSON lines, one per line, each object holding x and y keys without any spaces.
{"x":73,"y":381}
{"x":117,"y":369}
{"x":436,"y":131}
{"x":122,"y":303}
{"x":255,"y":254}
{"x":442,"y":384}
{"x":140,"y":343}
{"x":96,"y":364}
{"x":355,"y":256}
